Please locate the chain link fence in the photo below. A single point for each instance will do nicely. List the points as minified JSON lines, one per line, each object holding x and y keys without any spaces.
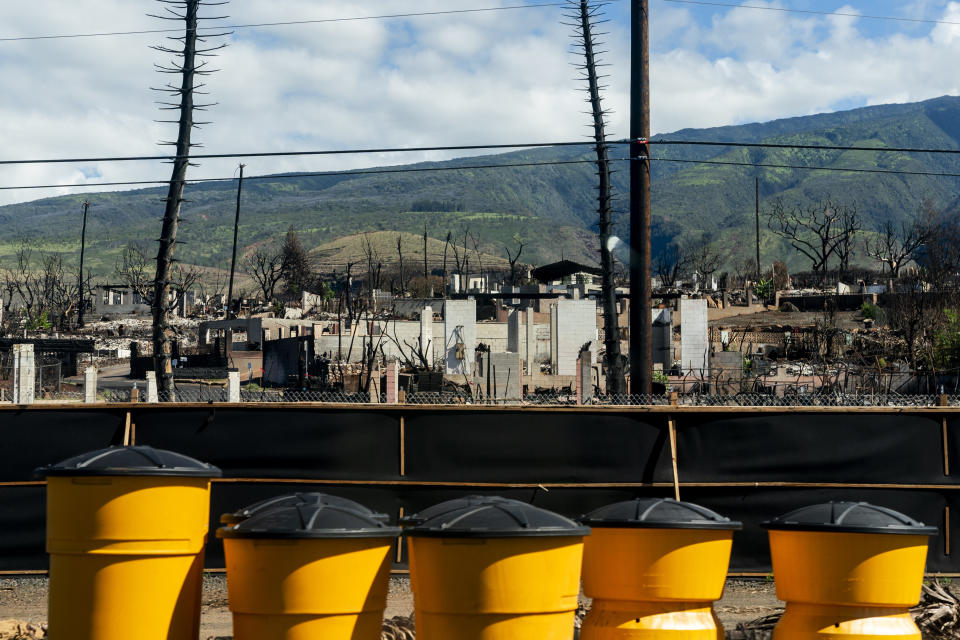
{"x":215,"y":394}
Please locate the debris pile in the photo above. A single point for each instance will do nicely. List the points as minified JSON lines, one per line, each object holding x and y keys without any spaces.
{"x":19,"y":630}
{"x":938,"y":614}
{"x":398,"y":628}
{"x":759,"y":629}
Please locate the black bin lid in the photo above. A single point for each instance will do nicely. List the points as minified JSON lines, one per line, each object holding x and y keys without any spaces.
{"x":849,"y":517}
{"x":489,"y":517}
{"x":658,"y":513}
{"x":130,"y":461}
{"x":316,"y":520}
{"x":295,"y":499}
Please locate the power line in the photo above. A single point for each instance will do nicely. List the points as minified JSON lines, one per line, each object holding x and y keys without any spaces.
{"x":815,"y":147}
{"x":286,"y":23}
{"x":327,"y":152}
{"x":317,"y":174}
{"x":469,"y":147}
{"x":730,"y":5}
{"x":360,"y":172}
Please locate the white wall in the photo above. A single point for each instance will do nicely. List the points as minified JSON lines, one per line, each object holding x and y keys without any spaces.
{"x":576,"y":322}
{"x":460,"y":327}
{"x":694,"y":344}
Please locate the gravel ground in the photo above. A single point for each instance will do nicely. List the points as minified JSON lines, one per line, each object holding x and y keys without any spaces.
{"x":25,"y":598}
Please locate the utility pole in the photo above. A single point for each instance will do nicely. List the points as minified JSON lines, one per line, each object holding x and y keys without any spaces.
{"x":757,"y":202}
{"x":83,"y":244}
{"x":233,"y":261}
{"x":641,"y":343}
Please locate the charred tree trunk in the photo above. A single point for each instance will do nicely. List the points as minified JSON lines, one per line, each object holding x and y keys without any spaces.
{"x":188,"y":69}
{"x":162,"y":330}
{"x":616,"y":379}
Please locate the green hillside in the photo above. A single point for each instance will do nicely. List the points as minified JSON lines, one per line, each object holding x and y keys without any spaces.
{"x":550,"y":207}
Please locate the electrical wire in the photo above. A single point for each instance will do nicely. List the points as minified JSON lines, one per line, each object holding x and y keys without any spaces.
{"x":474,"y":147}
{"x":518,"y":145}
{"x":317,"y":174}
{"x":284,"y":24}
{"x":328,"y":152}
{"x":843,"y":14}
{"x":360,"y":172}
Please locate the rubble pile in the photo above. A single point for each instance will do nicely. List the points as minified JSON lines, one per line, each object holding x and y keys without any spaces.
{"x":938,"y":614}
{"x":111,"y":335}
{"x":759,"y":629}
{"x":19,"y":630}
{"x":398,"y":628}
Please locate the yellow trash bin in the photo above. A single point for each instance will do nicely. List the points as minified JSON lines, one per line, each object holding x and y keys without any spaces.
{"x":126,"y":529}
{"x":654,"y":567}
{"x":308,"y":569}
{"x":297,"y":499}
{"x":848,"y":569}
{"x":490,"y":568}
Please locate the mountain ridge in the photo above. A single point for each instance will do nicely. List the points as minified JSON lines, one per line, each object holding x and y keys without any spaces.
{"x":550,"y":207}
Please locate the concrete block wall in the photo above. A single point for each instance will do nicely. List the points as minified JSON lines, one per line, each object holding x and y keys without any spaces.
{"x":506,"y":376}
{"x":662,"y":338}
{"x":576,"y":324}
{"x":494,"y":334}
{"x":24,"y":374}
{"x":694,"y":343}
{"x":460,"y":327}
{"x":427,"y":342}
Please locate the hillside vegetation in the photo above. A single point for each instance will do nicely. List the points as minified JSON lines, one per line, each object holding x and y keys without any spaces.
{"x":550,"y":207}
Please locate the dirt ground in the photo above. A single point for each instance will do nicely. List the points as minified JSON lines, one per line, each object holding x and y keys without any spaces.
{"x":25,"y":599}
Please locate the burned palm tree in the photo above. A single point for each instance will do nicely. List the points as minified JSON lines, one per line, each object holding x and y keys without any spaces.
{"x":189,"y":64}
{"x":584,"y":15}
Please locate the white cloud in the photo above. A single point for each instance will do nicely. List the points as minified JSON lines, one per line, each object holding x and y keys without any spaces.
{"x":492,"y":77}
{"x":778,"y":66}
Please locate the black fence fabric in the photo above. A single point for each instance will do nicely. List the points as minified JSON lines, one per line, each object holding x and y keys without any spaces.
{"x":343,"y":445}
{"x":811,"y":447}
{"x":748,"y":465}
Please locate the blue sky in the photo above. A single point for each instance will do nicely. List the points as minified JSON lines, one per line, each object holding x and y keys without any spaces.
{"x":487,"y":77}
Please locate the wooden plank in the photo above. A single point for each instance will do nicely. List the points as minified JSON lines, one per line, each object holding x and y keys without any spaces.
{"x":403,"y":448}
{"x":126,"y":430}
{"x":399,"y":557}
{"x":944,"y":433}
{"x":946,"y":531}
{"x":672,"y":428}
